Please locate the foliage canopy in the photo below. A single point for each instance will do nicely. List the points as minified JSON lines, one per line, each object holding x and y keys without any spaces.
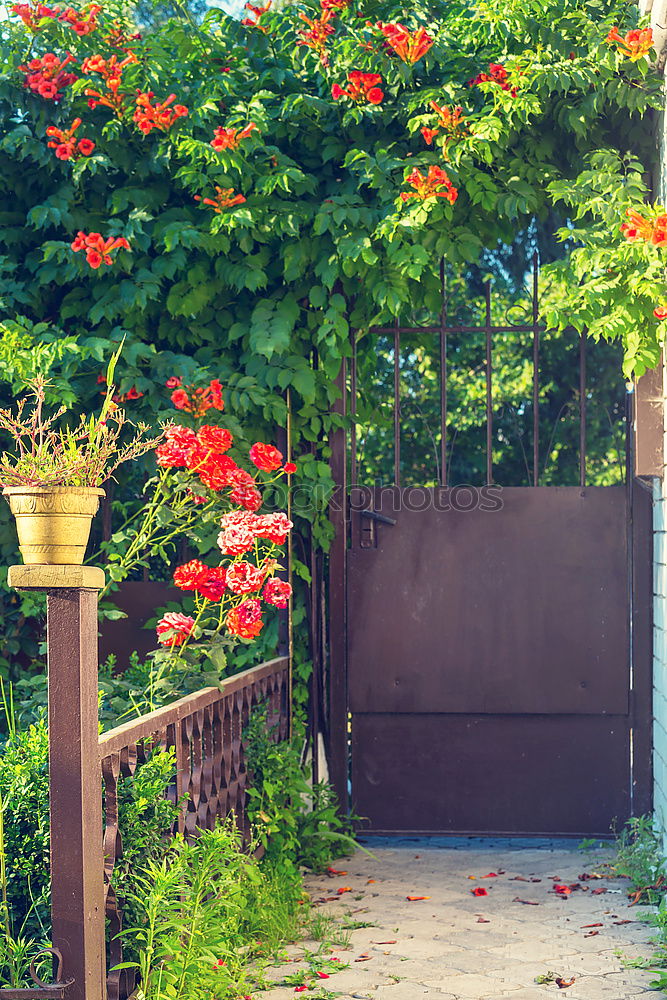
{"x":308,"y":241}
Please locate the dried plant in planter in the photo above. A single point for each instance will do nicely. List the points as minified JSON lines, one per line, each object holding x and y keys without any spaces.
{"x":52,"y":479}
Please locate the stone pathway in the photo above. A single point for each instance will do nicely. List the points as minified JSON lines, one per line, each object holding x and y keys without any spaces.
{"x":460,"y":946}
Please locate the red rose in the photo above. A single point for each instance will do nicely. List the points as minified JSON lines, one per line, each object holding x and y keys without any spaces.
{"x":215,"y":439}
{"x":240,"y":528}
{"x":216,"y":471}
{"x":266,"y":457}
{"x":175,"y":451}
{"x":191,"y":575}
{"x":214,"y":586}
{"x":246,"y":496}
{"x":275,"y":527}
{"x":277,"y":592}
{"x":245,"y":578}
{"x":246,"y":620}
{"x":174,"y":628}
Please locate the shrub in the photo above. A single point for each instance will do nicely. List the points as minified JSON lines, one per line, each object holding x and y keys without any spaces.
{"x":296,"y":823}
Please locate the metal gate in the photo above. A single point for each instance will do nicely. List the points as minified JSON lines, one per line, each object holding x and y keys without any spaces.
{"x":490,"y":646}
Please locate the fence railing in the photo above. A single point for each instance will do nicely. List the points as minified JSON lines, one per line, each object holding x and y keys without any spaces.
{"x":206,"y":731}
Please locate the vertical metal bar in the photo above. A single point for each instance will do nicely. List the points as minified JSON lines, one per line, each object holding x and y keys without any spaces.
{"x":290,"y":564}
{"x":443,"y":377}
{"x":489,"y":385}
{"x":338,"y":710}
{"x":640,"y":583}
{"x":582,"y":409}
{"x":283,"y":620}
{"x":536,"y":373}
{"x":77,"y":864}
{"x":314,"y":707}
{"x":354,"y":471}
{"x":397,"y":405}
{"x":315,"y":641}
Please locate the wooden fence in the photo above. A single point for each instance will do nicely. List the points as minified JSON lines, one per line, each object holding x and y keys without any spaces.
{"x":206,"y":731}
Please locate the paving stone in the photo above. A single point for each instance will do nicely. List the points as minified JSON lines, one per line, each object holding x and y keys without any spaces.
{"x":527,"y":994}
{"x":457,"y":946}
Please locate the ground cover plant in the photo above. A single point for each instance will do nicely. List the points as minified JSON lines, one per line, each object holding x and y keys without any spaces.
{"x":295,"y":178}
{"x":257,"y":906}
{"x":640,"y":859}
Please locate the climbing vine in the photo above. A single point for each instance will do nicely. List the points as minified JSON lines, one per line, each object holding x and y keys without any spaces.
{"x":241,"y":199}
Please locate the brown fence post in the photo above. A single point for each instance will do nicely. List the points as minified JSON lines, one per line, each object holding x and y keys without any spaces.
{"x":77,"y":863}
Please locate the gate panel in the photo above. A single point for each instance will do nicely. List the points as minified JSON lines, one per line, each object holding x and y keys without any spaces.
{"x":512,"y":610}
{"x":535,"y":774}
{"x":489,"y":662}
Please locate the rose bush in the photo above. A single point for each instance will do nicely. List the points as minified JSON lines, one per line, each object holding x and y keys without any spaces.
{"x":200,"y":489}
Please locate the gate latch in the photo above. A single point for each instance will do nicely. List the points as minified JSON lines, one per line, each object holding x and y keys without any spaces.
{"x":368,"y":533}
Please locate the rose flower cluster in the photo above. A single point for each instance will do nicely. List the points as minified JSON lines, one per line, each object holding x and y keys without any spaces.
{"x":247,"y":539}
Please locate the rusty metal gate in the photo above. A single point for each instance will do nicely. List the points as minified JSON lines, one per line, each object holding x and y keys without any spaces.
{"x":489,"y":647}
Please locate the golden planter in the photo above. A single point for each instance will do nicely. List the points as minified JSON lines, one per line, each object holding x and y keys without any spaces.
{"x":54,"y":522}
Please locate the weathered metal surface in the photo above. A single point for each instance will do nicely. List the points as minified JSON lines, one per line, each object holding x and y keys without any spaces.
{"x":492,"y":650}
{"x":77,"y":891}
{"x":41,"y":990}
{"x":509,"y":610}
{"x":536,"y":774}
{"x":206,"y":731}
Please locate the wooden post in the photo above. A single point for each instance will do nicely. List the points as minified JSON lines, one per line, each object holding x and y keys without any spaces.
{"x":77,"y":863}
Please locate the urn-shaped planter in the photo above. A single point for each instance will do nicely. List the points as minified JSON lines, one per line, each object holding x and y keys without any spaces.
{"x":53,"y":522}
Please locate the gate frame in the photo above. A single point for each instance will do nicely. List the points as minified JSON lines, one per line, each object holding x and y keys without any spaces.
{"x":639,"y":534}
